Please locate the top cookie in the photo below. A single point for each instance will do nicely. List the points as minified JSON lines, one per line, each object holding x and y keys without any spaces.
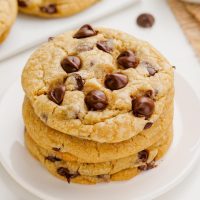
{"x":8,"y":12}
{"x":98,"y":84}
{"x":53,"y":8}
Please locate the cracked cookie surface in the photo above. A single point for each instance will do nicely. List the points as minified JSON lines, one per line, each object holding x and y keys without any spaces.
{"x":98,"y":84}
{"x":75,"y":149}
{"x":53,"y":8}
{"x":8,"y":12}
{"x":121,"y":169}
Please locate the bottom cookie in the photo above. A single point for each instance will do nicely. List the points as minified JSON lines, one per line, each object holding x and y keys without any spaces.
{"x":60,"y":170}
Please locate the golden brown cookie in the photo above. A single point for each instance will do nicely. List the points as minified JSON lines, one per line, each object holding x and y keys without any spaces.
{"x":8,"y":12}
{"x":98,"y":84}
{"x":76,"y":149}
{"x":53,"y":8}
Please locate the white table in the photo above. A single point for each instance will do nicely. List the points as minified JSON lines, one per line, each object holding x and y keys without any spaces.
{"x":166,"y":36}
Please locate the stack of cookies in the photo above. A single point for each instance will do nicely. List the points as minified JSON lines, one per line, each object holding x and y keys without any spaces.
{"x":98,"y":105}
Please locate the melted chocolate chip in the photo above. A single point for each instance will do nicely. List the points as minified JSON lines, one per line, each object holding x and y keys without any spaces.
{"x":50,"y":39}
{"x":22,"y":4}
{"x":85,"y":31}
{"x":143,"y":155}
{"x":105,"y":177}
{"x":74,"y":82}
{"x":49,"y":9}
{"x":57,"y":94}
{"x":56,"y":148}
{"x":62,"y":171}
{"x":71,"y":64}
{"x":96,"y":100}
{"x":145,"y":20}
{"x":143,"y":107}
{"x":127,"y":59}
{"x":116,"y":81}
{"x":79,"y":81}
{"x":147,"y":166}
{"x":52,"y":158}
{"x":148,"y":125}
{"x":105,"y":46}
{"x":151,"y":71}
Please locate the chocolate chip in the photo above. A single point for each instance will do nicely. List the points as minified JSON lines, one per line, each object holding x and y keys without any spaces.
{"x":50,"y":39}
{"x":151,"y":71}
{"x":147,"y":166}
{"x":71,"y":64}
{"x":105,"y":177}
{"x":143,"y":155}
{"x":105,"y":46}
{"x":74,"y":82}
{"x":148,"y":125}
{"x":79,"y":81}
{"x":116,"y":81}
{"x":127,"y":59}
{"x":50,"y":9}
{"x":62,"y":171}
{"x":56,"y":148}
{"x":145,"y":20}
{"x":143,"y":107}
{"x":174,"y":67}
{"x":96,"y":100}
{"x":22,"y":4}
{"x":85,"y":31}
{"x":52,"y":158}
{"x":57,"y":94}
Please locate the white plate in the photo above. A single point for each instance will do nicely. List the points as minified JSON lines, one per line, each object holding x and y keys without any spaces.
{"x":174,"y":167}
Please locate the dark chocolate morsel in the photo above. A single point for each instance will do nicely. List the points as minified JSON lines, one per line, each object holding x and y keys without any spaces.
{"x":145,"y":20}
{"x":71,"y":64}
{"x":49,"y":9}
{"x":96,"y":100}
{"x":57,"y":94}
{"x":116,"y":81}
{"x":143,"y":107}
{"x":85,"y":31}
{"x":127,"y":59}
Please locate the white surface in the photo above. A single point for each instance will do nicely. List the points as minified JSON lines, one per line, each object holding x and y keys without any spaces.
{"x":167,"y":37}
{"x":26,"y":32}
{"x":26,"y":170}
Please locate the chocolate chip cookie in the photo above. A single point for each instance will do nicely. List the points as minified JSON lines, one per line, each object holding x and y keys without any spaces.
{"x":98,"y":84}
{"x":121,"y":169}
{"x":8,"y":12}
{"x":71,"y":148}
{"x":53,"y":8}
